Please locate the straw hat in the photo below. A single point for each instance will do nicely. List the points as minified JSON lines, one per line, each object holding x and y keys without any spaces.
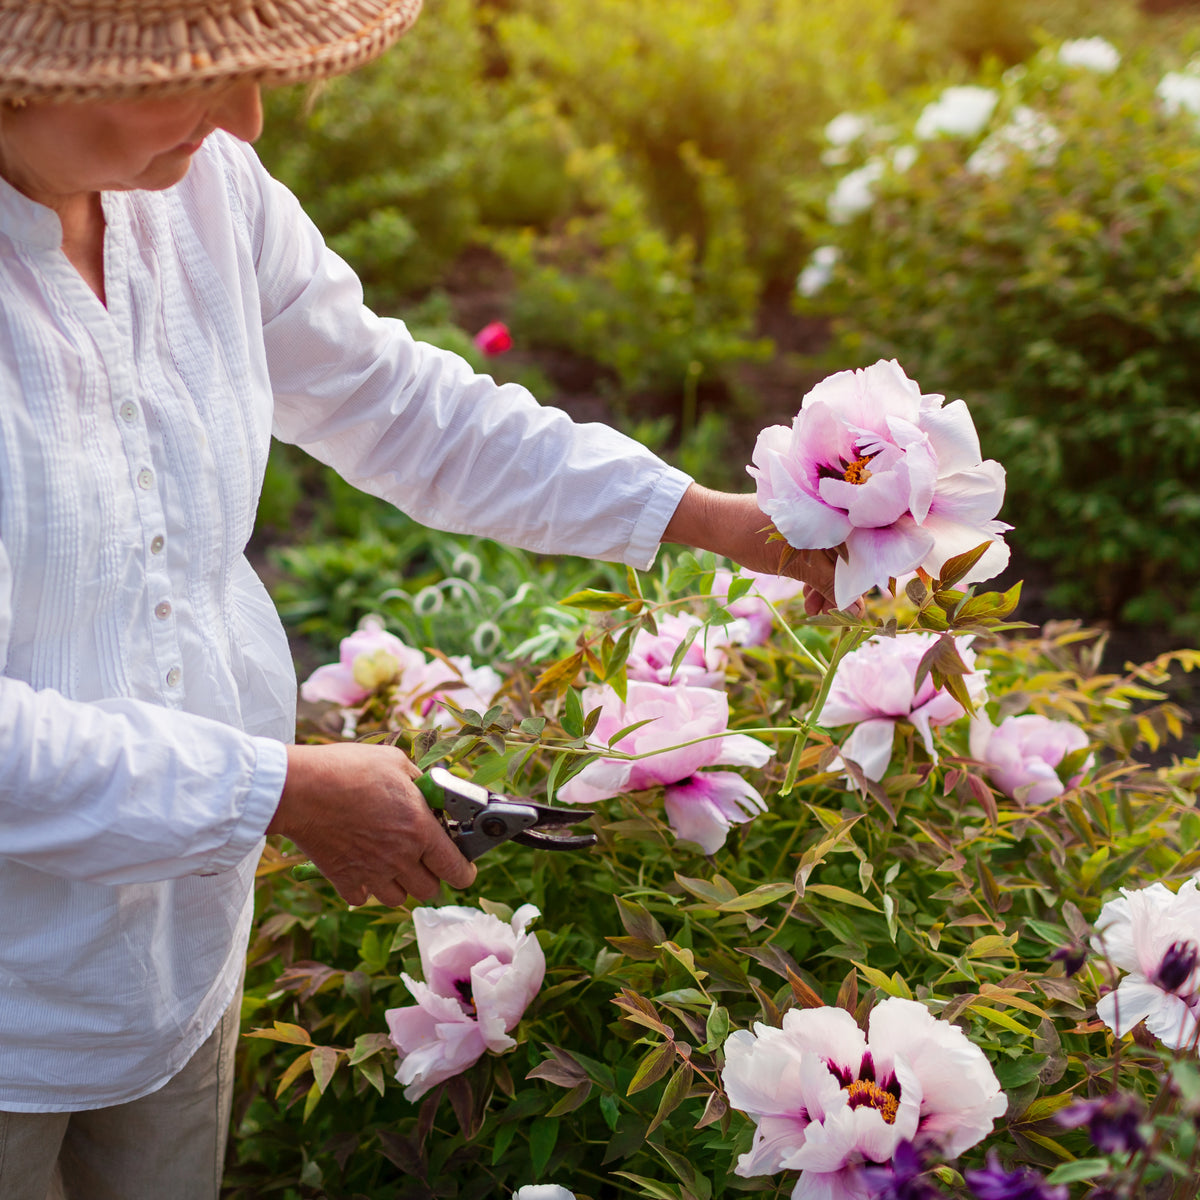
{"x":70,"y":50}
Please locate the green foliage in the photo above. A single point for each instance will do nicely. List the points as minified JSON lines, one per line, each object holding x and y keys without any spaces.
{"x":387,"y":160}
{"x":1059,"y":294}
{"x":659,"y":311}
{"x":743,"y":85}
{"x":926,"y":884}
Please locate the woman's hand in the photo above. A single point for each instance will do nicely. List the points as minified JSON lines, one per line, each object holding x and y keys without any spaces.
{"x":354,"y":810}
{"x":735,"y":527}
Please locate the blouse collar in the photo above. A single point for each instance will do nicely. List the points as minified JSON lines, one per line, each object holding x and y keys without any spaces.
{"x":27,"y":221}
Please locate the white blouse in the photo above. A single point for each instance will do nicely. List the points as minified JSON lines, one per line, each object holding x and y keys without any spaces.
{"x":146,"y":689}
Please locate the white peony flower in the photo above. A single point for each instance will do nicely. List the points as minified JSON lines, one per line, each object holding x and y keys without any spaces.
{"x":542,"y":1191}
{"x":1094,"y":54}
{"x":1153,"y":934}
{"x":826,"y":1099}
{"x":958,"y":112}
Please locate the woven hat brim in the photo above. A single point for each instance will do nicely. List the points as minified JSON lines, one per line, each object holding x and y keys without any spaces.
{"x":50,"y":55}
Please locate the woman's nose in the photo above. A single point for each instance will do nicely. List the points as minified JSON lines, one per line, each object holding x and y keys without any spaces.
{"x":238,"y":110}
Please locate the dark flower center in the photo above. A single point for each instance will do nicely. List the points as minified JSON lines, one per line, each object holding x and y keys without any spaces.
{"x":1177,"y":964}
{"x":851,"y":471}
{"x":866,"y":1091}
{"x":465,"y":995}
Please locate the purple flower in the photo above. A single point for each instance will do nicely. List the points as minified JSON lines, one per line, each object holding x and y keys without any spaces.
{"x":903,"y":1179}
{"x":1113,"y":1122}
{"x":993,"y":1182}
{"x":753,"y":618}
{"x":1072,"y":957}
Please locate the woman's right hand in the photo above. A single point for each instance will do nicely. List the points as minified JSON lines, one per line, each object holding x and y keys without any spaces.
{"x":354,"y":809}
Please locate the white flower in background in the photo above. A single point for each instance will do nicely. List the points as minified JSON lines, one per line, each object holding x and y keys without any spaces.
{"x":1178,"y":92}
{"x":1026,"y":132}
{"x":1094,"y":54}
{"x":855,"y":192}
{"x":1153,"y":934}
{"x":818,"y":271}
{"x":903,"y":158}
{"x":543,"y":1191}
{"x":847,"y":128}
{"x":826,"y":1099}
{"x":958,"y":112}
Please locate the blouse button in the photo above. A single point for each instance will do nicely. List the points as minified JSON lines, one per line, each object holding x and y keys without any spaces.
{"x":156,"y":546}
{"x":174,"y":675}
{"x":145,"y":478}
{"x":128,"y":411}
{"x":162,"y":610}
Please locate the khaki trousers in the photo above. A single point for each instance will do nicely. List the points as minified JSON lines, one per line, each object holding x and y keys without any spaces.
{"x":169,"y":1145}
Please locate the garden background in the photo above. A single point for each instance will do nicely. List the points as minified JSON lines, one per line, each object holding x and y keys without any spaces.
{"x":659,"y":204}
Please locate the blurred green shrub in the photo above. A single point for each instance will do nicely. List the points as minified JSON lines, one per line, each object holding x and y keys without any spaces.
{"x":745,"y":86}
{"x":615,"y":286}
{"x":1047,"y":270}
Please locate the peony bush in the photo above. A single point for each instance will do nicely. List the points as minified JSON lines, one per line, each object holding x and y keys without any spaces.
{"x":888,"y":903}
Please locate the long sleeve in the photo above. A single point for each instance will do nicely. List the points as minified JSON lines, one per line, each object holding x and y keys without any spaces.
{"x":413,"y":424}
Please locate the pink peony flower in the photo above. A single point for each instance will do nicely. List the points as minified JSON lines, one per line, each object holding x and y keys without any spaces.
{"x":875,"y":687}
{"x":494,"y":338}
{"x":701,"y":805}
{"x":367,"y":659}
{"x":480,"y":975}
{"x":371,"y":658}
{"x":753,"y":618}
{"x":871,"y":463}
{"x":1021,"y":754}
{"x":702,"y":665}
{"x":1153,"y":934}
{"x":826,"y":1100}
{"x":419,"y":693}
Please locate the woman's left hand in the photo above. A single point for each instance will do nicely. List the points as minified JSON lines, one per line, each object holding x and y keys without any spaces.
{"x":735,"y":527}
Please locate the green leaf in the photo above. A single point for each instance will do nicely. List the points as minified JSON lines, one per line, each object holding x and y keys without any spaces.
{"x":543,"y":1135}
{"x":841,"y":895}
{"x":954,"y":569}
{"x":572,"y":718}
{"x":572,"y":1100}
{"x":654,"y":1065}
{"x":596,"y":601}
{"x":501,"y":1141}
{"x":673,"y":1095}
{"x":1081,"y":1168}
{"x":325,"y":1061}
{"x":764,"y":894}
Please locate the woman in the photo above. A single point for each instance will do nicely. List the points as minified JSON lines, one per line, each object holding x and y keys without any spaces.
{"x":165,"y":307}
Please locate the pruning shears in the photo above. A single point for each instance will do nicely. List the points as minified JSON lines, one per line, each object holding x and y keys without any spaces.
{"x":478,"y":820}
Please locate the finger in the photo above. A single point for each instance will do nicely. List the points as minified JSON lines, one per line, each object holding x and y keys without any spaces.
{"x":418,"y":880}
{"x":392,"y":893}
{"x":446,"y":861}
{"x":410,"y":768}
{"x":354,"y":894}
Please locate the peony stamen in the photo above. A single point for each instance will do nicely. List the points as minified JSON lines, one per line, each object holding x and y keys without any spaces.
{"x":866,"y":1093}
{"x":856,"y":472}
